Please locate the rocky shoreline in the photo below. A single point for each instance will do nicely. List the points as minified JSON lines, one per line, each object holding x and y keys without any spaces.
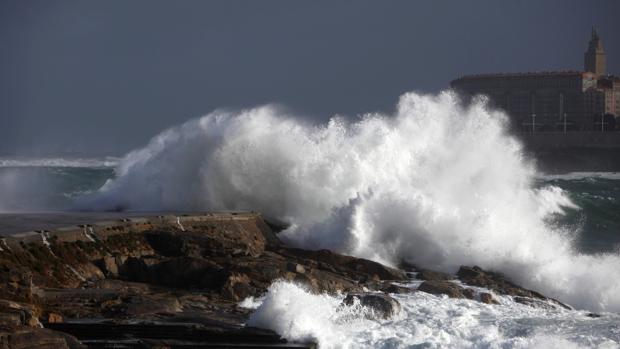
{"x":177,"y":281}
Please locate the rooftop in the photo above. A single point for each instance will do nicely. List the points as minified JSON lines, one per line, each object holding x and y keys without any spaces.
{"x":526,"y":74}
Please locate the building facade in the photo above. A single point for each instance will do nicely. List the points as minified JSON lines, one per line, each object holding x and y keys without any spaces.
{"x":553,"y":101}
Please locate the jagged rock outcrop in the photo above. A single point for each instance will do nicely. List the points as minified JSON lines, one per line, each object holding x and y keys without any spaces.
{"x":142,"y":275}
{"x":499,"y":284}
{"x":176,"y":269}
{"x":380,"y":305}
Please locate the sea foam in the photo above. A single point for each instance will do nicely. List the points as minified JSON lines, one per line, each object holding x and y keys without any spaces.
{"x":437,"y":184}
{"x":429,"y":321}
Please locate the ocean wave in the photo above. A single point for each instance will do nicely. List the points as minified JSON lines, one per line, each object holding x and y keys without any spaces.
{"x":59,"y":162}
{"x":437,"y":184}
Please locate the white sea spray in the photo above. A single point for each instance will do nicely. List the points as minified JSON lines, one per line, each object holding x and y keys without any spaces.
{"x":437,"y":184}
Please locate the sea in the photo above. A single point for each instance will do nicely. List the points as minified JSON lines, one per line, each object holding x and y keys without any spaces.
{"x":436,"y":183}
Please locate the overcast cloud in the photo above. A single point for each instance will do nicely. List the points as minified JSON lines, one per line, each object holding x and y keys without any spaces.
{"x":102,"y":77}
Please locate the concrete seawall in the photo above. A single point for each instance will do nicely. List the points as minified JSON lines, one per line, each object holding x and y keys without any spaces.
{"x":104,"y":229}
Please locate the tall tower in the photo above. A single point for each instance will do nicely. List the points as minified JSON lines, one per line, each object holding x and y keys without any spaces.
{"x":594,"y":58}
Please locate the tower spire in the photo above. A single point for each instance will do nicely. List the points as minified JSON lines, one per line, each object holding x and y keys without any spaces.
{"x":594,"y":58}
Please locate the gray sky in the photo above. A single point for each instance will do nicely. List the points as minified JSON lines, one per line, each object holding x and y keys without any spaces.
{"x":102,"y":77}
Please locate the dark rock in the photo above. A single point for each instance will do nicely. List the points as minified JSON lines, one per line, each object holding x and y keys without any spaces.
{"x":488,"y":298}
{"x":406,"y":266}
{"x":468,"y":293}
{"x":169,"y":244}
{"x":237,"y":287}
{"x":448,"y":288}
{"x":433,"y":275}
{"x":382,"y":305}
{"x":391,"y":288}
{"x":23,"y":337}
{"x":534,"y":302}
{"x":141,"y":305}
{"x":593,"y":315}
{"x":475,"y":276}
{"x":108,"y":265}
{"x":184,"y":272}
{"x":18,"y":314}
{"x":295,"y":268}
{"x":357,"y":268}
{"x":324,"y":281}
{"x":134,"y":269}
{"x":191,"y":271}
{"x":496,"y":282}
{"x":17,"y":281}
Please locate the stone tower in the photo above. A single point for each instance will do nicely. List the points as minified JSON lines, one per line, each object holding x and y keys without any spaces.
{"x":594,"y":58}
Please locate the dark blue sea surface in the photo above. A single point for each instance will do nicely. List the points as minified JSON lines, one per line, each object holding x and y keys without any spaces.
{"x":597,"y":218}
{"x":47,"y":188}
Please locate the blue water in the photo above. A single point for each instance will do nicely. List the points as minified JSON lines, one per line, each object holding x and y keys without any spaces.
{"x":598,"y":217}
{"x":46,"y":188}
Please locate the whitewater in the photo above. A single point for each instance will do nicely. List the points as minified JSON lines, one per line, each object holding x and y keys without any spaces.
{"x":437,"y":183}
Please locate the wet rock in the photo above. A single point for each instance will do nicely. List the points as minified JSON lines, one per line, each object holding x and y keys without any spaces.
{"x":433,"y":275}
{"x":534,"y":302}
{"x":475,"y":276}
{"x":357,"y":268}
{"x":391,"y":288}
{"x":452,"y":290}
{"x":496,"y":282}
{"x":295,"y":268}
{"x":468,"y":293}
{"x":488,"y":298}
{"x":383,"y":306}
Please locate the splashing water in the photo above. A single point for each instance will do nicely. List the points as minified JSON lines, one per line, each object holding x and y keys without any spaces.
{"x":428,"y":321}
{"x":437,"y":184}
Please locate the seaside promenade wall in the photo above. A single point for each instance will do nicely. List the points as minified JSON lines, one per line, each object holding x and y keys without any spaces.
{"x":557,"y":152}
{"x":551,"y":140}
